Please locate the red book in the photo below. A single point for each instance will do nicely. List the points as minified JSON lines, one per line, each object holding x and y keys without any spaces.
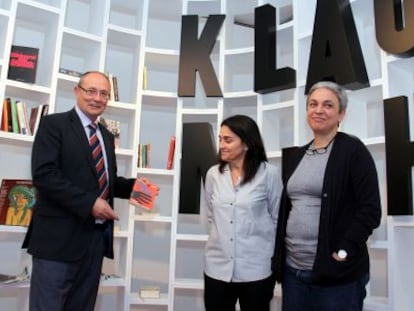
{"x":143,"y":194}
{"x":23,"y":63}
{"x":170,"y":159}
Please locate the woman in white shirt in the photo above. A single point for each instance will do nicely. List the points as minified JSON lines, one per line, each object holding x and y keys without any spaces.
{"x":242,"y":194}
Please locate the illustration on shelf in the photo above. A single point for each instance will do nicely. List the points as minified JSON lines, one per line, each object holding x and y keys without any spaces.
{"x":114,"y":126}
{"x":17,"y":198}
{"x":144,"y":193}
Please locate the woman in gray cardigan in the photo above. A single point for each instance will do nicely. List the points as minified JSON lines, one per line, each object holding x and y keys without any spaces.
{"x":329,"y":207}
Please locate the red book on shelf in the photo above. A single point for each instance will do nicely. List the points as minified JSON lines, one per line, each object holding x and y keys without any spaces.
{"x":23,"y":63}
{"x":171,"y":150}
{"x":143,"y":194}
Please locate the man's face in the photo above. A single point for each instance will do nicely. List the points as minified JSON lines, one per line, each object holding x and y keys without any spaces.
{"x":92,"y":95}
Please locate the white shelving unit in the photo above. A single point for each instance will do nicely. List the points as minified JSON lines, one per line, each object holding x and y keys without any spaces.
{"x":127,"y":38}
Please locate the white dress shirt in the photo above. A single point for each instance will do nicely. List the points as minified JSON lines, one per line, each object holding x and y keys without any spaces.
{"x":242,"y":224}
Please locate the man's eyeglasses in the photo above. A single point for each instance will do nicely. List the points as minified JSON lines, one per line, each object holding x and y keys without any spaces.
{"x":93,"y":92}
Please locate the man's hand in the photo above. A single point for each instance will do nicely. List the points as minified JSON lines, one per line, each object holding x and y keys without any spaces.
{"x":102,"y":210}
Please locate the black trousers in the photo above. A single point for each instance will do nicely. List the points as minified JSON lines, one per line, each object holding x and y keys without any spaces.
{"x":252,"y":296}
{"x":68,"y":286}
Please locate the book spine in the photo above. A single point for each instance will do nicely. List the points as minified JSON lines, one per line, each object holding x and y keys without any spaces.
{"x":5,"y":117}
{"x":144,"y":78}
{"x":171,"y":150}
{"x":14,"y":118}
{"x":26,"y":119}
{"x":20,"y":117}
{"x":115,"y":86}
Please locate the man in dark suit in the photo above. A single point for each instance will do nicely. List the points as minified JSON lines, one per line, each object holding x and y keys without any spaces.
{"x":72,"y":225}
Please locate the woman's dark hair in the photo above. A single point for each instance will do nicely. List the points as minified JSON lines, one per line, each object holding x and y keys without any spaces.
{"x":247,"y":130}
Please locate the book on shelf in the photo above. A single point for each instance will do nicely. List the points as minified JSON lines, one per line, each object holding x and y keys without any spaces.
{"x":149,"y":291}
{"x":36,"y":113}
{"x":17,"y":198}
{"x":6,"y":121}
{"x":14,"y":117}
{"x":23,"y":63}
{"x":144,"y":155}
{"x":22,"y":118}
{"x":113,"y":82}
{"x":143,"y":194}
{"x":69,"y":72}
{"x":171,"y":150}
{"x":114,"y":126}
{"x":144,"y":78}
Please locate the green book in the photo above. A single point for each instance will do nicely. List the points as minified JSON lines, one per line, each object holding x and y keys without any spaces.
{"x":15,"y":119}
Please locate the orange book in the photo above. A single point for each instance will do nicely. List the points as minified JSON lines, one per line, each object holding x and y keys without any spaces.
{"x":5,"y":116}
{"x":143,"y":194}
{"x":171,"y":150}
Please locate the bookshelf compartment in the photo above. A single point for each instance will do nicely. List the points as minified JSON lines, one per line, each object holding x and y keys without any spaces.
{"x":164,"y":112}
{"x":378,"y":285}
{"x":278,"y":129}
{"x":126,"y":14}
{"x":164,"y":17}
{"x":284,"y":48}
{"x":79,"y":53}
{"x":151,"y":263}
{"x":126,"y":118}
{"x":240,"y":105}
{"x":122,"y":62}
{"x":5,"y":4}
{"x":239,"y":24}
{"x":303,"y":59}
{"x":189,"y":251}
{"x":363,"y":11}
{"x":307,"y":17}
{"x":65,"y":95}
{"x":365,"y":115}
{"x":20,"y":153}
{"x":115,"y":271}
{"x":37,"y":28}
{"x":82,"y":16}
{"x":188,"y":299}
{"x":162,"y":71}
{"x":239,"y":72}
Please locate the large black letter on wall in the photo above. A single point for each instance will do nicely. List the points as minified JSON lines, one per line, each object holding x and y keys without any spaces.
{"x":394,"y":26}
{"x":336,"y":54}
{"x":195,"y":56}
{"x":198,"y":155}
{"x":399,"y":156}
{"x":266,"y":78}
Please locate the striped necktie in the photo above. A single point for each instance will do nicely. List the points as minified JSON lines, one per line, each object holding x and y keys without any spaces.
{"x":99,"y":161}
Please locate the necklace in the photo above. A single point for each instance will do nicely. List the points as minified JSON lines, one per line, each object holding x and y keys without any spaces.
{"x":322,"y":150}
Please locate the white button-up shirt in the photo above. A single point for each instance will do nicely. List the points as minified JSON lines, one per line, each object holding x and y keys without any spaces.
{"x":242,"y":224}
